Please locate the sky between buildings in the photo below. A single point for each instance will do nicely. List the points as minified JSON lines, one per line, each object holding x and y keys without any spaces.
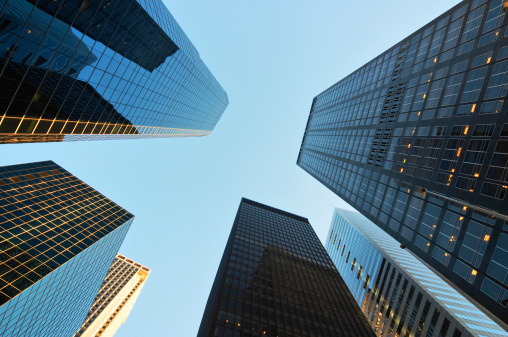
{"x":272,"y":58}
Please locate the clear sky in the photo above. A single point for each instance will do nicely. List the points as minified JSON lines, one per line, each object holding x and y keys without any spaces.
{"x":272,"y":58}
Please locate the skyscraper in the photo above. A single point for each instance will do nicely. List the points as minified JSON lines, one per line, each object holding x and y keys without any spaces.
{"x":276,"y":279}
{"x":416,"y":140}
{"x":399,"y":295}
{"x":58,"y":238}
{"x":116,"y":69}
{"x":115,"y":299}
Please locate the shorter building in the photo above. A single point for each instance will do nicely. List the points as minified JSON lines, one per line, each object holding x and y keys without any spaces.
{"x":115,"y":299}
{"x":399,"y":294}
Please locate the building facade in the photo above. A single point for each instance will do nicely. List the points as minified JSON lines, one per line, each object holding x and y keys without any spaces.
{"x":276,"y":279}
{"x":58,"y":238}
{"x":115,"y":299}
{"x":74,"y":70}
{"x":416,"y":140}
{"x":399,"y":295}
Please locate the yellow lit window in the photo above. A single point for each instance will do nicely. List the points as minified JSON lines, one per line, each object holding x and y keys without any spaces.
{"x":473,"y":107}
{"x":428,"y":243}
{"x":486,"y":238}
{"x":476,"y":175}
{"x":488,"y":60}
{"x":401,"y":170}
{"x":408,"y":146}
{"x":458,"y":152}
{"x":474,"y":272}
{"x":464,"y":208}
{"x":424,"y":95}
{"x":435,"y":60}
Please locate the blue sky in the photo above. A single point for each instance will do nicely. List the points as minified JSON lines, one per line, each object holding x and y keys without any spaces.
{"x":272,"y":58}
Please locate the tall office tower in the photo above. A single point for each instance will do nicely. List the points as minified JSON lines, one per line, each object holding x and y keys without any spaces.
{"x":416,"y":140}
{"x":58,"y":238}
{"x":115,"y":299}
{"x":399,"y":295}
{"x":94,"y":69}
{"x":276,"y":279}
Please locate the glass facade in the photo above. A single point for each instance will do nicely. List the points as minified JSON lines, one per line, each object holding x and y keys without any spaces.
{"x":276,"y":279}
{"x":416,"y":140}
{"x":58,"y":238}
{"x":398,"y":294}
{"x":74,"y":70}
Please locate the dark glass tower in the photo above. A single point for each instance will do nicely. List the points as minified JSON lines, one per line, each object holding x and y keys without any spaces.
{"x":58,"y":238}
{"x":115,"y":69}
{"x":416,"y":140}
{"x":276,"y":279}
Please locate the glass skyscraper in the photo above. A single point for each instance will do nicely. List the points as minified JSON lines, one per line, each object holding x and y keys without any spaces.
{"x":276,"y":279}
{"x":399,"y":295}
{"x":115,"y":69}
{"x":58,"y":238}
{"x":416,"y":140}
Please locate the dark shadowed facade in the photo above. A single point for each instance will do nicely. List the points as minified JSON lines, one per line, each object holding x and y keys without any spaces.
{"x":417,"y":141}
{"x":58,"y":238}
{"x":276,"y":279}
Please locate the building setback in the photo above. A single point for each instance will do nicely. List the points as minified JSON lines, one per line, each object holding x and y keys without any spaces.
{"x":58,"y":238}
{"x":111,"y":69}
{"x":276,"y":279}
{"x":115,"y":299}
{"x":399,"y":295}
{"x":416,"y":140}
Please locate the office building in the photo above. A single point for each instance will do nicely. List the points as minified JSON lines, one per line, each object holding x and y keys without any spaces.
{"x":276,"y":279}
{"x":115,"y":299}
{"x":416,"y":140}
{"x":399,"y":295}
{"x":58,"y":238}
{"x":116,"y":69}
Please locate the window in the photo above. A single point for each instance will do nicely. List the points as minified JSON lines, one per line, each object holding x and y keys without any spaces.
{"x":495,"y":291}
{"x":494,"y":190}
{"x":434,"y":94}
{"x":498,"y":84}
{"x":474,"y":243}
{"x":464,"y":271}
{"x":441,"y":256}
{"x":473,"y":85}
{"x":473,"y":23}
{"x":498,"y":168}
{"x":495,"y":16}
{"x":453,"y":34}
{"x":452,"y":89}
